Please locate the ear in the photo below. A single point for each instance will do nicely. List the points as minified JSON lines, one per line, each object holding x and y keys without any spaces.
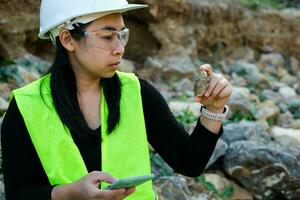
{"x":66,"y":40}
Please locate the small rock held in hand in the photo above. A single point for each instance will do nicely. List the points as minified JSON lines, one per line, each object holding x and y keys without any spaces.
{"x":201,"y":83}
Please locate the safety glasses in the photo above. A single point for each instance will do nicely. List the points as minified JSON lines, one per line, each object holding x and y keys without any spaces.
{"x":107,"y":39}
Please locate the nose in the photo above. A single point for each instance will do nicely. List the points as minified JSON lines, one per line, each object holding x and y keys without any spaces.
{"x":118,"y":49}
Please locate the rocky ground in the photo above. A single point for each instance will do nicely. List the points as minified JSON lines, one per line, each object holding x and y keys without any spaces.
{"x":258,"y":50}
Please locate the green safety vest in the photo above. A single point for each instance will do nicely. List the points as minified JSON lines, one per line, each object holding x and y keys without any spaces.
{"x":124,"y":152}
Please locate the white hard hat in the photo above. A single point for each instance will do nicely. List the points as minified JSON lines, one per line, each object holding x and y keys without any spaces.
{"x":56,"y":14}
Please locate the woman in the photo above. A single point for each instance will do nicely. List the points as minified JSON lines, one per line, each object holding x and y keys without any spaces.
{"x":85,"y":123}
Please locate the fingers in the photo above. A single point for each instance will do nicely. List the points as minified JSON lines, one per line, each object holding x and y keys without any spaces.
{"x":118,"y":194}
{"x":197,"y":99}
{"x":102,"y":176}
{"x":213,"y":82}
{"x":112,"y":194}
{"x":130,"y":191}
{"x":226,"y":92}
{"x":219,"y":87}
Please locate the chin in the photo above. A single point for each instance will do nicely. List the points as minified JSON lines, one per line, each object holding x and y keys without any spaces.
{"x":108,"y":74}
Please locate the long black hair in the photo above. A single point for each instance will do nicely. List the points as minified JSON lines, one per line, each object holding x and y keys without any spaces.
{"x":64,"y":91}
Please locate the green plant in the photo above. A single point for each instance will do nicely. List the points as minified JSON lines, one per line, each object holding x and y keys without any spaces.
{"x":6,"y":62}
{"x":297,"y":114}
{"x":261,"y":97}
{"x":271,"y":121}
{"x":225,"y":194}
{"x":162,"y":168}
{"x":185,"y":116}
{"x":294,"y":108}
{"x":238,"y":116}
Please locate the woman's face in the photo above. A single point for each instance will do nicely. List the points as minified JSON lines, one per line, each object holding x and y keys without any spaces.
{"x":99,"y":53}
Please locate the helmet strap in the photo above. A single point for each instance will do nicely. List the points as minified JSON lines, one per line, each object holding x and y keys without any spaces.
{"x":52,"y":39}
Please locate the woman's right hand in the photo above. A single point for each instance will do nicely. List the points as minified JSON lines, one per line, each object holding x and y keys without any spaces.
{"x":87,"y":188}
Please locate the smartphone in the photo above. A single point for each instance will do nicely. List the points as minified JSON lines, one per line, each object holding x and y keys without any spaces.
{"x":129,"y":182}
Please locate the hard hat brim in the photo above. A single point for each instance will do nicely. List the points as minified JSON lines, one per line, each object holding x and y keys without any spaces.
{"x":43,"y":34}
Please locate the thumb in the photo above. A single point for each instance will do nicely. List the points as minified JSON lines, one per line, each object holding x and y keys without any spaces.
{"x":98,"y":176}
{"x":207,"y":68}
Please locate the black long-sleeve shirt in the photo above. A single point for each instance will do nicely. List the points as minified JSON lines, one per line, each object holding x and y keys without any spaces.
{"x":25,"y":178}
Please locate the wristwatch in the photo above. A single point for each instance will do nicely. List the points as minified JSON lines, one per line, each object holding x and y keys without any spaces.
{"x":214,"y":116}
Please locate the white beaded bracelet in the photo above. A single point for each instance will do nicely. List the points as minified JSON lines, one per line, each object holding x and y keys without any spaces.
{"x":214,"y":116}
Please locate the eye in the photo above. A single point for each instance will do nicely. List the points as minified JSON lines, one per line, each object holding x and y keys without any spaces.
{"x":109,"y":38}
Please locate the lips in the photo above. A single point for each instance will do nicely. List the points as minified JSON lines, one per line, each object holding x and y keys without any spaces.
{"x":115,"y":64}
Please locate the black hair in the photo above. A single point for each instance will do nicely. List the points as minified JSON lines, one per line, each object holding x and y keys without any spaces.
{"x":64,"y":91}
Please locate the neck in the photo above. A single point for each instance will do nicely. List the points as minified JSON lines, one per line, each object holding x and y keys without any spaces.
{"x":87,"y":85}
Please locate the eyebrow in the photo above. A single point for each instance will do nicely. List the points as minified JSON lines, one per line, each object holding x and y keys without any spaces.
{"x":111,"y":28}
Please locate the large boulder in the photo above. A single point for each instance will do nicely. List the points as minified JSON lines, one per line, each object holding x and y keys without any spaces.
{"x":268,"y":170}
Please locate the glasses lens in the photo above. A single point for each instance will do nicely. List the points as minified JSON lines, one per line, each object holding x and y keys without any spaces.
{"x":124,"y":36}
{"x":107,"y":40}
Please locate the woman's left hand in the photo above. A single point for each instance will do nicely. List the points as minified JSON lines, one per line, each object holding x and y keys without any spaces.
{"x":218,"y":92}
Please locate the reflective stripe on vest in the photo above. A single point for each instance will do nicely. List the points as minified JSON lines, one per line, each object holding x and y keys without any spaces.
{"x":124,"y":151}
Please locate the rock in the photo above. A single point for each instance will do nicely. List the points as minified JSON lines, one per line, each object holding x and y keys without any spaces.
{"x":295,"y":65}
{"x":201,"y":83}
{"x":298,"y":75}
{"x":5,"y":90}
{"x":271,"y":62}
{"x":287,"y":92}
{"x":221,"y":184}
{"x":276,"y":85}
{"x":289,"y":79}
{"x":266,"y":110}
{"x":298,"y":88}
{"x":127,"y":66}
{"x":174,"y":188}
{"x":248,"y":70}
{"x":193,"y":107}
{"x":26,"y":76}
{"x":285,"y":119}
{"x":184,"y":86}
{"x":296,"y":124}
{"x":240,"y":193}
{"x":240,"y":101}
{"x":159,"y":167}
{"x":175,"y":65}
{"x":286,"y":136}
{"x":16,"y":29}
{"x":24,"y":70}
{"x":281,"y":72}
{"x":267,"y":170}
{"x":244,"y":130}
{"x":238,"y":81}
{"x":271,"y":95}
{"x":3,"y":105}
{"x":33,"y":63}
{"x":2,"y":195}
{"x":220,"y":150}
{"x":248,"y":54}
{"x":293,"y":105}
{"x":201,"y":196}
{"x":266,"y":81}
{"x":164,"y":89}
